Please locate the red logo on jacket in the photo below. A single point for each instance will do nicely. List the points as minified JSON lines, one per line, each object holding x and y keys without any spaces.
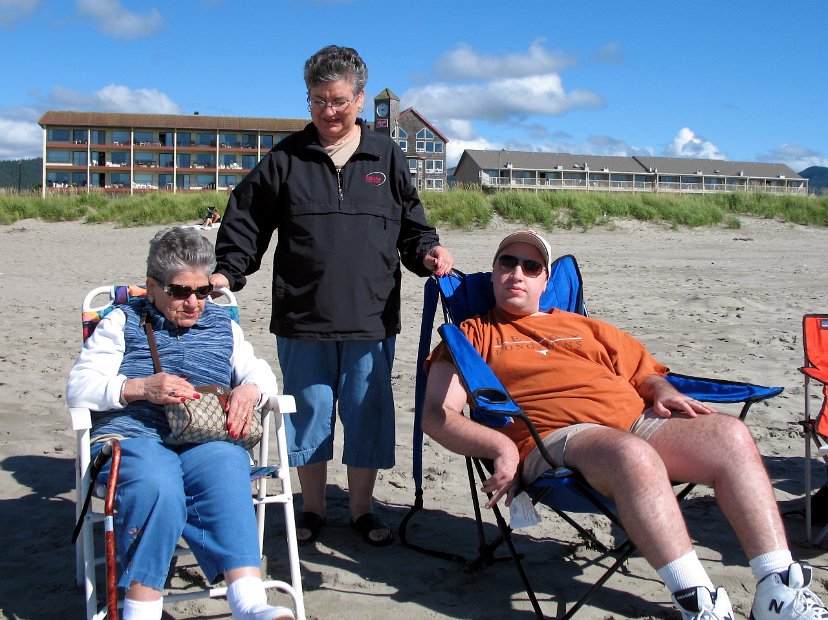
{"x":375,"y":178}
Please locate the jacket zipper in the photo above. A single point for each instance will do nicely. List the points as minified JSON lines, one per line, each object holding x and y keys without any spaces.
{"x":340,"y":183}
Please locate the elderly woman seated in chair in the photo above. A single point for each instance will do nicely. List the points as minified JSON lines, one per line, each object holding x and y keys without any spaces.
{"x":166,"y":491}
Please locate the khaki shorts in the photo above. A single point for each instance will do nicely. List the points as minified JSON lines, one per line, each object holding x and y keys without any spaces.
{"x":555,"y":443}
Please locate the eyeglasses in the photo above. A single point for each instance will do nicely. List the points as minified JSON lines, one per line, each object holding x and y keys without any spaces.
{"x":531,"y":268}
{"x":179,"y":291}
{"x":340,"y":105}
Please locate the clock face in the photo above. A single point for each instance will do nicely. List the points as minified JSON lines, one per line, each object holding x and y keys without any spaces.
{"x":382,"y":110}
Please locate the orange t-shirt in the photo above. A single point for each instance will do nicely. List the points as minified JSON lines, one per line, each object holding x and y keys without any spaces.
{"x":562,"y":368}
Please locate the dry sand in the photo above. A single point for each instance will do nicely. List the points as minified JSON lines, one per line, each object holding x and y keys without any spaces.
{"x":715,"y":302}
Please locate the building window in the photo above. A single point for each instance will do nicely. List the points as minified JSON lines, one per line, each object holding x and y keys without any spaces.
{"x":78,"y":179}
{"x":119,"y":136}
{"x":412,"y":166}
{"x":184,"y":139}
{"x":248,"y":141}
{"x":434,"y":166}
{"x":248,"y":161}
{"x":183,"y":181}
{"x":58,"y":135}
{"x":403,"y":145}
{"x":165,"y":181}
{"x":142,"y":181}
{"x":205,"y":139}
{"x":79,"y":136}
{"x":435,"y":184}
{"x":207,"y":181}
{"x":143,"y":138}
{"x":229,"y":140}
{"x":267,"y":142}
{"x":165,"y":160}
{"x":421,"y":146}
{"x":120,"y":158}
{"x":229,"y":161}
{"x":98,"y":136}
{"x":228,"y":180}
{"x":57,"y":179}
{"x":205,"y":160}
{"x":79,"y":158}
{"x":165,"y":138}
{"x":55,"y":156}
{"x":425,"y":134}
{"x":438,"y":147}
{"x":184,"y":160}
{"x":119,"y":179}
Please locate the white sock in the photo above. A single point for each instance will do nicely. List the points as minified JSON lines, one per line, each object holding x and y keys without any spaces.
{"x":771,"y":562}
{"x":685,"y":572}
{"x":142,"y":610}
{"x":248,"y":601}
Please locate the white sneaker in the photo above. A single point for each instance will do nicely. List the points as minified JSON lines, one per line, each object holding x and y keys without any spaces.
{"x":701,"y":604}
{"x":787,"y":597}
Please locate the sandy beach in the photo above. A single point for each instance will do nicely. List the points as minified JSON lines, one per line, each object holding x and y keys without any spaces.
{"x":713,"y":302}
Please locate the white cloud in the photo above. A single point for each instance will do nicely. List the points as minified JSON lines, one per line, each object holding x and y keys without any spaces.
{"x":113,"y":20}
{"x":797,"y":157}
{"x":500,"y":99}
{"x":12,"y":11}
{"x":464,"y":63}
{"x":113,"y":98}
{"x":21,"y":136}
{"x":688,"y":144}
{"x":19,"y":139}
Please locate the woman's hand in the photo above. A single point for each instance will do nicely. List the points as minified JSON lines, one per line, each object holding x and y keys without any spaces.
{"x":243,"y":399}
{"x":161,"y":388}
{"x":439,"y":260}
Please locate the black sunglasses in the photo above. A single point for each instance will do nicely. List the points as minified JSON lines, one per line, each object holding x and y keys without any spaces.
{"x":531,"y":268}
{"x":179,"y":291}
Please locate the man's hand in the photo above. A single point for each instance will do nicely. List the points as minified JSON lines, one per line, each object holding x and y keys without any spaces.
{"x":505,"y":479}
{"x":666,"y":399}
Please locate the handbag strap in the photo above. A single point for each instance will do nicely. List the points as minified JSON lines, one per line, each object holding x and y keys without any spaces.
{"x":156,"y":362}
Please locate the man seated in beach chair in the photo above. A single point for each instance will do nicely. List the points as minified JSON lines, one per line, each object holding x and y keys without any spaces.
{"x":603,"y":408}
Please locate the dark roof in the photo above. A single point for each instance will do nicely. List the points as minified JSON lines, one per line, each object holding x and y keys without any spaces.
{"x":387,"y":93}
{"x":713,"y":167}
{"x":171,"y":121}
{"x":526,"y":160}
{"x":424,"y":120}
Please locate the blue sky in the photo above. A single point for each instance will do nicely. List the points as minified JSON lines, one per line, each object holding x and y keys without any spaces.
{"x":738,"y":80}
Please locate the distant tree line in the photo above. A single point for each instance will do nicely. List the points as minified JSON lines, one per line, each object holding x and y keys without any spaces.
{"x":23,"y":174}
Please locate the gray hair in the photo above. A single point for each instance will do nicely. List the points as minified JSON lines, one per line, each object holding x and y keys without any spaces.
{"x":334,"y":63}
{"x":178,"y":249}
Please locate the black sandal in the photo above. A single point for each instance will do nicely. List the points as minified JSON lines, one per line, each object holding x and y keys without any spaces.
{"x":312,"y":522}
{"x":368,"y":523}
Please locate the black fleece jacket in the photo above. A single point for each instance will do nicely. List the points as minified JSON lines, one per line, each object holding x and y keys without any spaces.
{"x":340,"y":236}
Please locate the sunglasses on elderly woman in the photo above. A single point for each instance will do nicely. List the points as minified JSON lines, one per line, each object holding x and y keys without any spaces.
{"x":531,"y":268}
{"x":179,"y":291}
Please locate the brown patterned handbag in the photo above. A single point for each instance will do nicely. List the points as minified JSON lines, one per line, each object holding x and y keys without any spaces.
{"x":199,"y":420}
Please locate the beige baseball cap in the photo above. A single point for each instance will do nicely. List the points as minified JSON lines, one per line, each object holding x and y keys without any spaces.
{"x":533,"y":239}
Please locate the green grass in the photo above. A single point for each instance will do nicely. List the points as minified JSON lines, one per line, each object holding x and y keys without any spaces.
{"x":462,"y":208}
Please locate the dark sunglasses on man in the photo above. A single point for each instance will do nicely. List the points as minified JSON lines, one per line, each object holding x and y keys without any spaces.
{"x":531,"y":268}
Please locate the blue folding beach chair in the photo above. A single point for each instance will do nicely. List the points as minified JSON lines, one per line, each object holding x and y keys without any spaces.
{"x":560,"y":489}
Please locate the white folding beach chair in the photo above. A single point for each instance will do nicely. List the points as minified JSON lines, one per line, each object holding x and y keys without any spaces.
{"x":261,"y":471}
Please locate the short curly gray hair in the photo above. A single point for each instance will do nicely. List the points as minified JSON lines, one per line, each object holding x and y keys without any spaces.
{"x":334,"y":63}
{"x":178,"y":249}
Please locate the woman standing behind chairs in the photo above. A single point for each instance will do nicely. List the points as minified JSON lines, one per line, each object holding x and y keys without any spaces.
{"x":198,"y":491}
{"x":347,"y":213}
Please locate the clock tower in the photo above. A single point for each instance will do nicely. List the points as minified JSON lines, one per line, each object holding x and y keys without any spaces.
{"x":386,"y":112}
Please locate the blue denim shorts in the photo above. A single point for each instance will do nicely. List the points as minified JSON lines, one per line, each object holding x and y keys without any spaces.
{"x":350,"y":377}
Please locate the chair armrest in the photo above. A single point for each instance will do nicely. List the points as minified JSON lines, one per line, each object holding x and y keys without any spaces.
{"x":281,"y":403}
{"x":721,"y":391}
{"x":81,"y":418}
